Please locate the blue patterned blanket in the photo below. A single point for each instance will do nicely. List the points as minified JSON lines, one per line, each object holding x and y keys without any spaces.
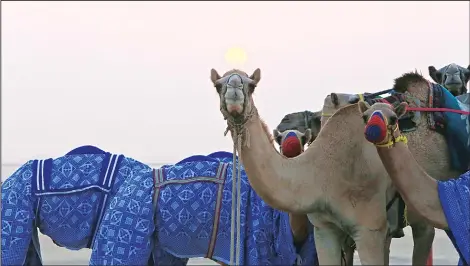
{"x":457,"y":130}
{"x":93,"y":199}
{"x":454,"y":195}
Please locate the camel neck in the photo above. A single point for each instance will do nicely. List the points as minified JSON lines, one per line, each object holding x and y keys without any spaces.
{"x":294,"y":184}
{"x":399,"y":161}
{"x":264,"y":167}
{"x":417,"y":188}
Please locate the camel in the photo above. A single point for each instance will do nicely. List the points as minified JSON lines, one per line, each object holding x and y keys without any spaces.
{"x":131,"y":214}
{"x":453,"y":77}
{"x":338,"y":190}
{"x":332,"y":103}
{"x":442,"y":204}
{"x":423,"y":234}
{"x":338,"y":201}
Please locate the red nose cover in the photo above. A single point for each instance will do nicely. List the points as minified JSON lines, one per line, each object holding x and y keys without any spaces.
{"x":291,"y":146}
{"x":376,"y":128}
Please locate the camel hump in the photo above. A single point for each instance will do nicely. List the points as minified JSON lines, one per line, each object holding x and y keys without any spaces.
{"x":197,"y":158}
{"x":221,"y":155}
{"x":86,"y":149}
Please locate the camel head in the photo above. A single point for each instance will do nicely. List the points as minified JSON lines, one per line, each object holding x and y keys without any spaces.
{"x":333,"y":102}
{"x":235,"y":89}
{"x":381,"y":121}
{"x":453,"y":77}
{"x":301,"y":121}
{"x":292,"y":142}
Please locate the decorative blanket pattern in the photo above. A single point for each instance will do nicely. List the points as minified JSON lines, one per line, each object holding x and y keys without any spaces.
{"x":454,"y":195}
{"x":456,"y":128}
{"x":193,"y":192}
{"x":130,"y":214}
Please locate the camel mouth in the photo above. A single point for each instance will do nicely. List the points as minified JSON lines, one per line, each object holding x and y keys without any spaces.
{"x":291,"y":145}
{"x":454,"y":84}
{"x":237,"y":117}
{"x":234,"y":109}
{"x":376,"y":128}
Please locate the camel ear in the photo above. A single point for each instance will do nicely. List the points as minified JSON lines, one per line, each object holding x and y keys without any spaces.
{"x":334,"y":99}
{"x":277,"y":136}
{"x":435,"y":74}
{"x":363,"y":106}
{"x":466,"y":74}
{"x":214,"y":76}
{"x":400,"y":110}
{"x":256,"y":76}
{"x":315,"y":125}
{"x":308,"y":135}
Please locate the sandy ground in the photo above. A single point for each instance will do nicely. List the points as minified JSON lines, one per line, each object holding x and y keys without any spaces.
{"x":444,"y":253}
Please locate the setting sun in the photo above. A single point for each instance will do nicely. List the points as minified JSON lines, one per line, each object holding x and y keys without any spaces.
{"x":235,"y":56}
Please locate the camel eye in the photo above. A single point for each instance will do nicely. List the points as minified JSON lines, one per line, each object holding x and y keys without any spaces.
{"x":218,"y":87}
{"x":303,"y":139}
{"x":365,"y":118}
{"x":279,"y":139}
{"x":251,"y":88}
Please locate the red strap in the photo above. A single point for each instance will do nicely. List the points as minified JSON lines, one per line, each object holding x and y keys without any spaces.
{"x":429,"y":109}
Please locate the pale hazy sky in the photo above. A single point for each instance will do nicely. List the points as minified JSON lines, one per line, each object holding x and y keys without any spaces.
{"x":133,"y":78}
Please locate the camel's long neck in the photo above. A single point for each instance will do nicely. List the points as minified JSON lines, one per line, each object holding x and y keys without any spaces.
{"x":270,"y":174}
{"x":291,"y":184}
{"x":414,"y":184}
{"x":400,"y":164}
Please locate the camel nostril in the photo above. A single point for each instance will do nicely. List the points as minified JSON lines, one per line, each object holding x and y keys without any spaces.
{"x":393,"y":120}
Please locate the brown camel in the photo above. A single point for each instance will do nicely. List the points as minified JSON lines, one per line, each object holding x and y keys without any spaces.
{"x":418,"y":189}
{"x":333,"y":103}
{"x":342,"y":192}
{"x":339,"y":180}
{"x":442,"y":204}
{"x":434,"y":159}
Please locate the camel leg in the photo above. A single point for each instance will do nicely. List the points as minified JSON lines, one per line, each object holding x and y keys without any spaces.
{"x":371,"y":245}
{"x":328,"y":245}
{"x":388,"y":242}
{"x":423,"y":236}
{"x":349,"y":249}
{"x":349,"y":252}
{"x":299,"y":225}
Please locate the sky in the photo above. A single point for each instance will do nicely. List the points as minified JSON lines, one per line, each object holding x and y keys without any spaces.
{"x":134,"y":77}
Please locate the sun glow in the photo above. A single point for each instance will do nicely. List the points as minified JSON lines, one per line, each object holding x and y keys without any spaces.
{"x":235,"y":56}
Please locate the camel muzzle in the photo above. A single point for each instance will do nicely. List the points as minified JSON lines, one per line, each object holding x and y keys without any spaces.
{"x":376,"y":128}
{"x":291,"y":146}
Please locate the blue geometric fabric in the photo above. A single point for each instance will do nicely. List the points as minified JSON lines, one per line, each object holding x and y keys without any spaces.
{"x":454,"y":195}
{"x":131,"y":214}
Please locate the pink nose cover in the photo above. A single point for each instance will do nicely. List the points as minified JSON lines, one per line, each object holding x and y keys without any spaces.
{"x":291,"y":145}
{"x":376,"y":128}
